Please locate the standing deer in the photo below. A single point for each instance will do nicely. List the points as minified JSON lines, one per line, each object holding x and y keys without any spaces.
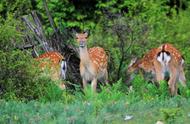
{"x":55,"y":62}
{"x":93,"y":62}
{"x":172,"y":61}
{"x":158,"y":61}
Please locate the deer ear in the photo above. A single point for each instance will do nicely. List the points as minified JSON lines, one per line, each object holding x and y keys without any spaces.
{"x":76,"y":34}
{"x":142,"y":65}
{"x":133,"y":60}
{"x":86,"y":32}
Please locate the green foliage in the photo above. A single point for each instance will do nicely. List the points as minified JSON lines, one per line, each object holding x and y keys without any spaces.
{"x":15,"y":73}
{"x":108,"y":95}
{"x":163,"y":89}
{"x":109,"y":106}
{"x":51,"y":92}
{"x":170,"y":114}
{"x":65,"y":15}
{"x":148,"y":91}
{"x":19,"y":77}
{"x":9,"y":36}
{"x":15,"y":7}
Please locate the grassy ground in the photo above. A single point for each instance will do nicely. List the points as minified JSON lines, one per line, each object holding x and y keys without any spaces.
{"x":174,"y":111}
{"x":144,"y":103}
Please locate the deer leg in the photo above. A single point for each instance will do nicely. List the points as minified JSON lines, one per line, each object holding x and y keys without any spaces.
{"x":159,"y":72}
{"x":172,"y":86}
{"x":94,"y":84}
{"x":159,"y":76}
{"x":182,"y":78}
{"x":106,"y":77}
{"x":82,"y":73}
{"x":84,"y":82}
{"x":172,"y":81}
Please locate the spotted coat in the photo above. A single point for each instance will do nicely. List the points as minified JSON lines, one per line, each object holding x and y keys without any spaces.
{"x":98,"y":57}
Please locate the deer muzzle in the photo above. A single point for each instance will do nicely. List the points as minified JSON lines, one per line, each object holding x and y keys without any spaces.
{"x":82,"y":44}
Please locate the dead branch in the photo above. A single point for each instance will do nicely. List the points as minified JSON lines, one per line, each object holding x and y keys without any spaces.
{"x":53,"y":25}
{"x":35,"y":27}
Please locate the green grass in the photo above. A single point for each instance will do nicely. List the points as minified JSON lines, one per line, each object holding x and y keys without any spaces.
{"x":174,"y":110}
{"x":146,"y":103}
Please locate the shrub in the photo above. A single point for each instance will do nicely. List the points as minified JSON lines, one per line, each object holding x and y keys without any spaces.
{"x":19,"y":77}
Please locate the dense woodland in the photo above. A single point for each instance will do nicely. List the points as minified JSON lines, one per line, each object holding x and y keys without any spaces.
{"x":124,"y":28}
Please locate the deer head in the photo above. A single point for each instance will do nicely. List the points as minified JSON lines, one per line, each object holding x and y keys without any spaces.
{"x":82,"y":39}
{"x":133,"y":65}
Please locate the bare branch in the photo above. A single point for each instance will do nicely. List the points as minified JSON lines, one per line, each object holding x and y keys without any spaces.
{"x":53,"y":25}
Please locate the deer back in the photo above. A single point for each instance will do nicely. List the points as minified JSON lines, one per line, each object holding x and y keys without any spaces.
{"x":98,"y":57}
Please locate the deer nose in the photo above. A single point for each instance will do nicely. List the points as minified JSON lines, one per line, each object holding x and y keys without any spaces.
{"x":82,"y":43}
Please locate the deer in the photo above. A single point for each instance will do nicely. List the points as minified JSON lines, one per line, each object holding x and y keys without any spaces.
{"x":93,"y":62}
{"x":56,"y":63}
{"x":158,"y":61}
{"x":172,"y":61}
{"x":146,"y":63}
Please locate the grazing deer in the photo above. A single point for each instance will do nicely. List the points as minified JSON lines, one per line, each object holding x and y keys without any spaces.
{"x":55,"y":62}
{"x":158,"y":61}
{"x":147,"y":63}
{"x":93,"y":62}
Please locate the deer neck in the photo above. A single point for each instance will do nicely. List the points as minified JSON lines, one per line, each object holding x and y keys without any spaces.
{"x":84,"y":56}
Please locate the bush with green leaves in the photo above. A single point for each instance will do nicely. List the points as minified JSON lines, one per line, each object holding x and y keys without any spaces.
{"x":19,"y":77}
{"x":15,"y":7}
{"x":67,"y":14}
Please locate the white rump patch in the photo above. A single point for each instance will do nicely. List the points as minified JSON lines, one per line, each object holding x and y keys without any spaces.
{"x":63,"y":69}
{"x":164,"y":58}
{"x":182,"y":62}
{"x":159,"y":58}
{"x":167,"y":58}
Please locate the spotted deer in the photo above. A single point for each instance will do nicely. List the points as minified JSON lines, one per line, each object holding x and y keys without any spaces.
{"x":158,"y":61}
{"x":56,"y":63}
{"x":93,"y":62}
{"x":146,"y":63}
{"x":173,"y":62}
